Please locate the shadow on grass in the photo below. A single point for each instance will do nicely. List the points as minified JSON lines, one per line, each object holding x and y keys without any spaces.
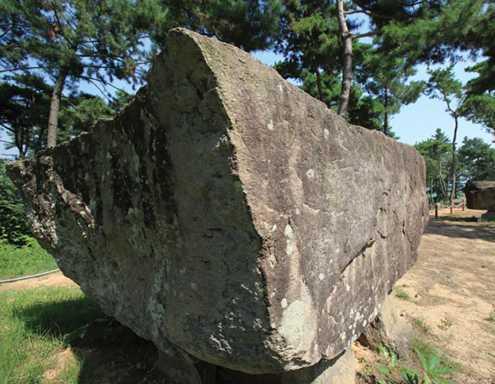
{"x":58,"y":318}
{"x":107,"y":352}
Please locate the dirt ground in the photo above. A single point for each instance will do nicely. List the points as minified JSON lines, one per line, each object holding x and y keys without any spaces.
{"x":56,"y":279}
{"x":449,"y":294}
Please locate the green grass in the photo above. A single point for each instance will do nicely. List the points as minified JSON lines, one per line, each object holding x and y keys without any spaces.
{"x":34,"y":325}
{"x":421,"y":325}
{"x":27,"y":260}
{"x":437,"y":367}
{"x":491,"y":317}
{"x":428,"y":366}
{"x":401,"y":294}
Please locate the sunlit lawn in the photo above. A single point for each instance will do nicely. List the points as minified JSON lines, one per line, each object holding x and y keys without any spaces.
{"x":34,"y":327}
{"x":26,"y":260}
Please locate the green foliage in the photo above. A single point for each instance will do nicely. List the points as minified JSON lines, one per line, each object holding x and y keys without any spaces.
{"x":401,"y":294}
{"x":66,"y":42}
{"x":437,"y":153}
{"x":249,"y":24}
{"x":364,"y":110}
{"x":444,"y":86}
{"x":434,"y":368}
{"x":24,"y":112}
{"x":81,"y":112}
{"x":309,"y":39}
{"x":421,"y":325}
{"x":391,"y":370}
{"x":26,"y":260}
{"x":85,"y":39}
{"x":410,"y":376}
{"x":34,"y":325}
{"x":431,"y":31}
{"x":480,"y":109}
{"x":312,"y":48}
{"x":427,"y":367}
{"x":385,"y":79}
{"x":13,"y":220}
{"x":477,"y":160}
{"x":478,"y":31}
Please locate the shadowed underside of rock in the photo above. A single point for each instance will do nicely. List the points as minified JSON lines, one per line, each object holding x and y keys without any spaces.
{"x":480,"y":195}
{"x":229,"y":215}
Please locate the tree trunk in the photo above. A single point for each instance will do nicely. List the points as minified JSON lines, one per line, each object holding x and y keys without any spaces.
{"x":55,"y":108}
{"x":21,"y":145}
{"x":385,"y":117}
{"x":318,"y":84}
{"x":346,"y":60}
{"x":20,"y":149}
{"x":454,"y":165}
{"x":18,"y":139}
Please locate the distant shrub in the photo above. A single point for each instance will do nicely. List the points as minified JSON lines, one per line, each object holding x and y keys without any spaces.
{"x":13,"y":221}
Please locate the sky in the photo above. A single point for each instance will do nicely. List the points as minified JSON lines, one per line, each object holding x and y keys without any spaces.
{"x":418,"y":121}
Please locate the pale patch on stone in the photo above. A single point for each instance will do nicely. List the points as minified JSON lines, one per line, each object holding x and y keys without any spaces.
{"x":321,"y":276}
{"x":310,"y":174}
{"x":270,"y":125}
{"x":299,"y":324}
{"x":326,"y":134}
{"x":284,"y":303}
{"x":291,"y":240}
{"x":311,"y":210}
{"x":272,"y":260}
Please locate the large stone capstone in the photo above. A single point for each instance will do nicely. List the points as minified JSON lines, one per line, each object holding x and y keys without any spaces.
{"x":480,"y":195}
{"x":229,"y":216}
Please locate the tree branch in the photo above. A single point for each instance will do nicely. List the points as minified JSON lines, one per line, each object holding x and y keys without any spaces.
{"x":20,"y":69}
{"x":60,"y":25}
{"x":357,"y":11}
{"x":366,"y":34}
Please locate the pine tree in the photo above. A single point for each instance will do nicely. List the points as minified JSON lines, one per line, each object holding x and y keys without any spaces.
{"x":67,"y":41}
{"x":444,"y":86}
{"x":248,"y":24}
{"x":24,"y":113}
{"x":322,"y":44}
{"x":477,"y":160}
{"x":309,"y":42}
{"x":386,"y":79}
{"x":437,"y":154}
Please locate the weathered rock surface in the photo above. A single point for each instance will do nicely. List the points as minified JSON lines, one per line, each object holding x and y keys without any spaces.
{"x":228,"y":216}
{"x":480,"y":195}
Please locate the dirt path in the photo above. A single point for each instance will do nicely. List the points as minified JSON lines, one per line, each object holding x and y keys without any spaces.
{"x":52,"y":280}
{"x":450,"y":293}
